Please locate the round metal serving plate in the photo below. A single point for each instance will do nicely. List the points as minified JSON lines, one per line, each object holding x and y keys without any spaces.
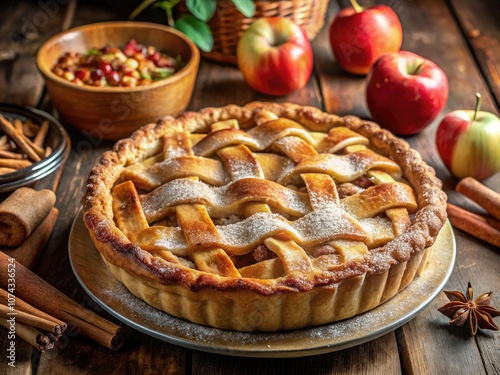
{"x":99,"y":283}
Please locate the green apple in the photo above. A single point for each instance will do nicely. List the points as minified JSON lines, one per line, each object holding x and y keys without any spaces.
{"x":468,"y":142}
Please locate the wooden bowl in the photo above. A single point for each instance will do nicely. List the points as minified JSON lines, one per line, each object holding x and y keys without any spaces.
{"x":115,"y":112}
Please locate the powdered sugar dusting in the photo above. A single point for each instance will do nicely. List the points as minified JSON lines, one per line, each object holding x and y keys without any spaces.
{"x":344,"y":168}
{"x":217,"y":199}
{"x":243,"y":168}
{"x":320,"y":226}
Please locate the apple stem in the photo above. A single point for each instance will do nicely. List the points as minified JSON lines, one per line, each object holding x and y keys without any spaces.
{"x":478,"y":105}
{"x":356,"y":6}
{"x":416,"y":69}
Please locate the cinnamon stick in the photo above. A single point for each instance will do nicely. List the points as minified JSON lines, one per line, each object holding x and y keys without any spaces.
{"x":32,"y":248}
{"x":21,"y":305}
{"x":481,"y":194}
{"x":45,"y":297}
{"x":39,"y":139}
{"x":14,"y":163}
{"x":4,"y":170}
{"x":18,"y":138}
{"x":30,"y":334}
{"x":32,"y":320}
{"x":40,"y":151}
{"x":22,"y":212}
{"x":18,"y":125}
{"x":30,"y":129}
{"x":10,"y":155}
{"x":473,"y":224}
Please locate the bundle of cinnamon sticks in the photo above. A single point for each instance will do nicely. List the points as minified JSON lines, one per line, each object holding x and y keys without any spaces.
{"x":21,"y":144}
{"x":55,"y":308}
{"x":484,"y":227}
{"x":23,"y":320}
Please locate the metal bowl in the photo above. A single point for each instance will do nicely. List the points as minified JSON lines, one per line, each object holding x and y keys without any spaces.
{"x":57,"y":139}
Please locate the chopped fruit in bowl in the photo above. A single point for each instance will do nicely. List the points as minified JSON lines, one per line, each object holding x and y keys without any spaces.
{"x":133,"y":65}
{"x":129,"y":80}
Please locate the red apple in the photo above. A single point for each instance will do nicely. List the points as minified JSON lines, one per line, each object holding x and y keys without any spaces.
{"x":405,"y":92}
{"x":468,"y":142}
{"x":275,"y":56}
{"x":359,"y":36}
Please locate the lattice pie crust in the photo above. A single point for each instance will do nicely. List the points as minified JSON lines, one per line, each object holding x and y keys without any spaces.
{"x":263,"y":217}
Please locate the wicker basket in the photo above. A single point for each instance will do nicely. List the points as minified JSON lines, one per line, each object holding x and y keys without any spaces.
{"x":228,"y":23}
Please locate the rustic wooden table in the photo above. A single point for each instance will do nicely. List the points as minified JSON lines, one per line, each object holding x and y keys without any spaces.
{"x":461,"y":36}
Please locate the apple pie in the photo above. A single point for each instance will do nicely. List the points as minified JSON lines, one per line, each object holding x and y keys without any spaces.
{"x":263,"y":217}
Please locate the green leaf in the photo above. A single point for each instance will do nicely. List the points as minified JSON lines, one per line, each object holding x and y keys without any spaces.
{"x":202,"y":9}
{"x":246,"y":7}
{"x":197,"y":31}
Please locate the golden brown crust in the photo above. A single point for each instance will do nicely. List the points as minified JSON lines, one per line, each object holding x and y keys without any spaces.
{"x":130,"y":263}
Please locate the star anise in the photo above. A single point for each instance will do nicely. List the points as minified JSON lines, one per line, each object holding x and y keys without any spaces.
{"x":464,"y":311}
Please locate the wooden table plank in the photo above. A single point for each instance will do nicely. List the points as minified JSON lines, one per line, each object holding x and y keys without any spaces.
{"x":343,"y":93}
{"x":218,"y":85}
{"x":480,"y":23}
{"x":144,"y":356}
{"x":27,"y":27}
{"x":428,"y":345}
{"x":377,"y":357}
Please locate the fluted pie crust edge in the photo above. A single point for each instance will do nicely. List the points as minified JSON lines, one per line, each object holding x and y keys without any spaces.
{"x":290,"y":302}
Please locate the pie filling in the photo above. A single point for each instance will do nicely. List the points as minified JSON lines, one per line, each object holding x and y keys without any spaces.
{"x":263,"y":208}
